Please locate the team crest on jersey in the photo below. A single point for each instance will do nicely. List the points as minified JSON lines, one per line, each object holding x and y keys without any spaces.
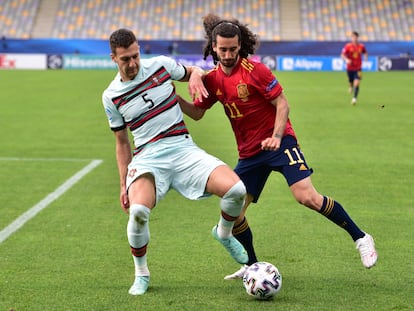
{"x":242,"y":91}
{"x":155,"y":79}
{"x":132,"y":173}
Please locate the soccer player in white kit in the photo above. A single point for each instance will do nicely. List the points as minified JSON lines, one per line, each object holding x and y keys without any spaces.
{"x":142,"y":98}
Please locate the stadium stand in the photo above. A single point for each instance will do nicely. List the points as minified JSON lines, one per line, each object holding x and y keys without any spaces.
{"x":153,"y":19}
{"x":376,"y":20}
{"x":272,"y":20}
{"x":262,"y":16}
{"x":17,"y":17}
{"x":160,"y":19}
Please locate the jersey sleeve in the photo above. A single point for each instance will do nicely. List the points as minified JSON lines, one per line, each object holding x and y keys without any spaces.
{"x":208,"y":102}
{"x":265,"y":81}
{"x":176,"y":70}
{"x":115,"y":119}
{"x":345,"y":49}
{"x":364,"y":49}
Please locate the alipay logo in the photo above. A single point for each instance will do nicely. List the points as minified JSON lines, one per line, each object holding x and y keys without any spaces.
{"x":288,"y":63}
{"x":338,"y":64}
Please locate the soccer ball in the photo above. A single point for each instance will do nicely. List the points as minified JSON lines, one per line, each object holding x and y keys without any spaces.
{"x":262,"y":280}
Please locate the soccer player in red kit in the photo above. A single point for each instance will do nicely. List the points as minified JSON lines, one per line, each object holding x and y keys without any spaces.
{"x":352,"y":54}
{"x":258,"y":111}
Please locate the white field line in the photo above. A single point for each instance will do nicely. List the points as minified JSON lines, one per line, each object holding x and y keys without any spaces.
{"x":34,"y":210}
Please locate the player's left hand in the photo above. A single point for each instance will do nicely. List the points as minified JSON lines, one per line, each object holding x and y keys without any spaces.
{"x":271,"y":143}
{"x":196,"y":86}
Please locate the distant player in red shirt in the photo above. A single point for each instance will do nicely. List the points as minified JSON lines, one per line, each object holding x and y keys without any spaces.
{"x":258,"y":111}
{"x":352,"y":54}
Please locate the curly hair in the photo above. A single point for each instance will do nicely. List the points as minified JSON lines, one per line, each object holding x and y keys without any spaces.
{"x":121,"y":38}
{"x":215,"y":26}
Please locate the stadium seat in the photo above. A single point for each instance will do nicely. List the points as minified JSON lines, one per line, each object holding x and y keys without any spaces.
{"x":161,"y":19}
{"x":379,"y":20}
{"x":17,"y":18}
{"x":375,"y":19}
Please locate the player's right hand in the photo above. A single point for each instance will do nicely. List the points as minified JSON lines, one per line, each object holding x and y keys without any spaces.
{"x":271,"y":143}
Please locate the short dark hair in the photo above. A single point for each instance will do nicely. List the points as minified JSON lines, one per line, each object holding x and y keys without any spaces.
{"x":121,"y":38}
{"x":355,"y":33}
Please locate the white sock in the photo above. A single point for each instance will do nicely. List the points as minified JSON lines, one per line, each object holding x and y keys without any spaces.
{"x":231,"y":204}
{"x":224,"y":228}
{"x":139,"y":235}
{"x":138,"y":229}
{"x":141,"y":268}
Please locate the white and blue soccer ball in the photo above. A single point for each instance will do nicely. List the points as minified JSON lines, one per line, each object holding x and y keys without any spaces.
{"x":262,"y":280}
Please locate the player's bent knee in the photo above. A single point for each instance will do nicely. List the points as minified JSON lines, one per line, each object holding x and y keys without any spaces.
{"x":233,"y":200}
{"x":140,"y":213}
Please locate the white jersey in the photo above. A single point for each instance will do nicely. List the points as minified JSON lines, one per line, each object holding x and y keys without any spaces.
{"x":147,"y":105}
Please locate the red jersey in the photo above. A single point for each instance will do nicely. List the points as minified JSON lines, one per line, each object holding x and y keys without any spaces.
{"x":354,"y":53}
{"x":246,"y":95}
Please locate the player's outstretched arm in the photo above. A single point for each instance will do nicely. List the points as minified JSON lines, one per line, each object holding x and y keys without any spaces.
{"x":194,"y":112}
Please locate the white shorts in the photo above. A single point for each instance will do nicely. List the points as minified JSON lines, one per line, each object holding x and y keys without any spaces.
{"x":175,"y":162}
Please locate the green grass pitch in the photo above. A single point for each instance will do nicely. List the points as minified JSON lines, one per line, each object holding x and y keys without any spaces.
{"x":74,"y":254}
